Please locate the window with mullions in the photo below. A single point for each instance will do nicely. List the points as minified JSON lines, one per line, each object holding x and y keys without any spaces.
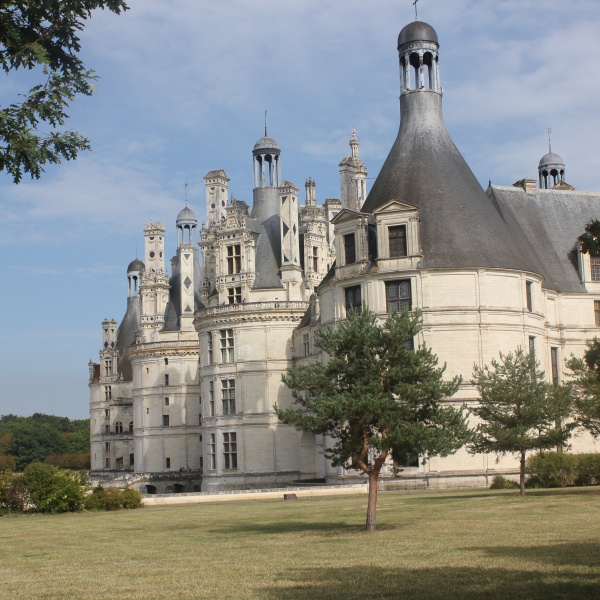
{"x":554,"y":359}
{"x":227,"y":347}
{"x":397,"y":236}
{"x":398,"y":296}
{"x":234,"y":295}
{"x":528,"y":286}
{"x":211,"y":393}
{"x":230,"y":450}
{"x":306,"y":343}
{"x":349,"y":248}
{"x":213,"y":452}
{"x":228,"y":396}
{"x":597,"y":312}
{"x":108,"y":392}
{"x":210,"y":348}
{"x":353,"y":299}
{"x":118,"y":427}
{"x":234,"y":259}
{"x":595,"y":264}
{"x":315,"y":258}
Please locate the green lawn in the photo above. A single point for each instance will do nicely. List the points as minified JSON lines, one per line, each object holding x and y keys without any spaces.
{"x":475,"y":544}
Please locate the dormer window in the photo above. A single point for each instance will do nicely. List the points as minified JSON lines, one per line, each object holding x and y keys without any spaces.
{"x":595,"y":266}
{"x":234,"y":259}
{"x":397,"y":237}
{"x":349,"y":249}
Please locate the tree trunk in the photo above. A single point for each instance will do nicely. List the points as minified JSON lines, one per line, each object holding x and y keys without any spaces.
{"x":372,"y":505}
{"x":522,"y":472}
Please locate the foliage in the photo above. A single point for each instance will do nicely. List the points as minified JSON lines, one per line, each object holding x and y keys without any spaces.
{"x":586,"y":375}
{"x":13,"y":493}
{"x":32,"y":439}
{"x":590,"y":240}
{"x":75,"y":462}
{"x":501,"y":483}
{"x":588,"y":469}
{"x":519,"y":410}
{"x":44,"y":35}
{"x":7,"y":463}
{"x":103,"y":499}
{"x":557,"y":469}
{"x":533,"y":483}
{"x":54,"y":490}
{"x":375,"y":397}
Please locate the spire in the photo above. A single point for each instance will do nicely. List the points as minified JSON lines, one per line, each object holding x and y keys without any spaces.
{"x":549,"y":142}
{"x":354,"y":144}
{"x":266,"y":124}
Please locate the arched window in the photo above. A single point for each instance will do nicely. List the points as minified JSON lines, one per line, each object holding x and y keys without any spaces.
{"x":403,"y":78}
{"x":429,"y":76}
{"x":415,"y":63}
{"x":554,"y":175}
{"x":118,"y":427}
{"x":130,"y":426}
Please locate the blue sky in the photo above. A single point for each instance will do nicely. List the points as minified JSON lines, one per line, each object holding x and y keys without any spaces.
{"x":183,"y":89}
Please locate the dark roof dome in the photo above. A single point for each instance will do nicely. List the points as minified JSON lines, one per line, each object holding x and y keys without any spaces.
{"x":551,"y":159}
{"x":187,"y":214}
{"x":266,"y":143}
{"x":136,"y":265}
{"x":417,"y":31}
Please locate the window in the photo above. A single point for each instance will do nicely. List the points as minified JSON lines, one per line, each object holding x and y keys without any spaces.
{"x":398,"y":296}
{"x":166,"y":402}
{"x":234,"y":259}
{"x":107,"y":463}
{"x":147,"y":411}
{"x":118,"y":427}
{"x":106,"y":413}
{"x":166,"y":380}
{"x":131,"y":461}
{"x":211,"y":392}
{"x":532,"y":345}
{"x":213,"y":452}
{"x":168,"y":463}
{"x":107,"y":429}
{"x":595,"y":264}
{"x":165,"y":420}
{"x":230,"y":450}
{"x":349,"y":249}
{"x":353,"y":299}
{"x":397,"y":236}
{"x":554,"y":358}
{"x":166,"y":361}
{"x":597,"y":312}
{"x":108,"y":367}
{"x":315,"y":259}
{"x":234,"y":295}
{"x":227,"y":348}
{"x":201,"y":463}
{"x":107,"y":446}
{"x":130,"y":426}
{"x":210,"y":349}
{"x":528,"y":286}
{"x":108,"y":392}
{"x":119,"y":463}
{"x":306,"y":344}
{"x":228,"y":396}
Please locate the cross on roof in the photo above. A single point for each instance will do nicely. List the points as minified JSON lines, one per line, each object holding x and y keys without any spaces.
{"x":415,"y":5}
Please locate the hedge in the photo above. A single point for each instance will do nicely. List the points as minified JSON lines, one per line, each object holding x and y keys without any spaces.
{"x":560,"y":469}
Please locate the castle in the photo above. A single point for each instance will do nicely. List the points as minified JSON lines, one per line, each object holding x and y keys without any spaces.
{"x":182,"y":399}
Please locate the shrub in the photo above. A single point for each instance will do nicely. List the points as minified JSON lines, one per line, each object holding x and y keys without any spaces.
{"x":53,"y":490}
{"x":501,"y":483}
{"x":101,"y":499}
{"x":7,"y":463}
{"x":533,"y":483}
{"x":13,"y":493}
{"x":553,"y":469}
{"x":588,"y":469}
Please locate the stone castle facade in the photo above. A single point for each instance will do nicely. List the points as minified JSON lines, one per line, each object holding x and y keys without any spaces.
{"x":182,"y":399}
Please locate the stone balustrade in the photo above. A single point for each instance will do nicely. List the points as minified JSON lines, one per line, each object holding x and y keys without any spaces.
{"x":282,"y":305}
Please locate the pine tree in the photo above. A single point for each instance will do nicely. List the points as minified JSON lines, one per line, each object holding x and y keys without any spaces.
{"x":586,"y":373}
{"x":520,"y":411}
{"x":376,"y":397}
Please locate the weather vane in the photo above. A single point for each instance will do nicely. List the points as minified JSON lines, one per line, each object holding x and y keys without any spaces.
{"x":549,"y":143}
{"x":265,"y":123}
{"x":415,"y":5}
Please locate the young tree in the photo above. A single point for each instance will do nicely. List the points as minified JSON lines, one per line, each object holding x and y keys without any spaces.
{"x":519,"y":410}
{"x":376,"y":397}
{"x":586,"y":374}
{"x":43,"y":33}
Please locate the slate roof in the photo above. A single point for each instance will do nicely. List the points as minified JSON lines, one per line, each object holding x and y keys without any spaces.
{"x":549,"y":222}
{"x":126,"y":336}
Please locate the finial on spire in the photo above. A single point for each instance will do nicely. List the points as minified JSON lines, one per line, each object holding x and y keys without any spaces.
{"x":549,"y":143}
{"x":265,"y":123}
{"x":186,"y":185}
{"x":415,"y":5}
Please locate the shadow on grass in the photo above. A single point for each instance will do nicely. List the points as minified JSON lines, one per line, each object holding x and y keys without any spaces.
{"x":448,"y":583}
{"x":283,"y":527}
{"x":487,"y":493}
{"x":582,"y":554}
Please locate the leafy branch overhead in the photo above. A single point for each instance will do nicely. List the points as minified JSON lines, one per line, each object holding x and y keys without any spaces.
{"x":590,"y":240}
{"x":44,"y":34}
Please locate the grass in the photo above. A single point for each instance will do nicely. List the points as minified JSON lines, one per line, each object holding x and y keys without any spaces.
{"x":474,"y":544}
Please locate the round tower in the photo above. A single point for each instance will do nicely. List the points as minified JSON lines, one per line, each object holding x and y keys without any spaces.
{"x":418,"y":48}
{"x":267,"y":168}
{"x":134,"y":274}
{"x":551,"y":170}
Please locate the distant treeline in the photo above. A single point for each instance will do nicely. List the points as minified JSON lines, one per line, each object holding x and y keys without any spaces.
{"x":33,"y":439}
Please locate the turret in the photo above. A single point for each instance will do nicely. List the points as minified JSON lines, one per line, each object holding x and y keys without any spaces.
{"x":217,"y":184}
{"x":353,"y":177}
{"x":551,"y":170}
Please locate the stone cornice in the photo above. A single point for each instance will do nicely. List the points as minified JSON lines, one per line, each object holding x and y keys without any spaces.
{"x":175,"y":348}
